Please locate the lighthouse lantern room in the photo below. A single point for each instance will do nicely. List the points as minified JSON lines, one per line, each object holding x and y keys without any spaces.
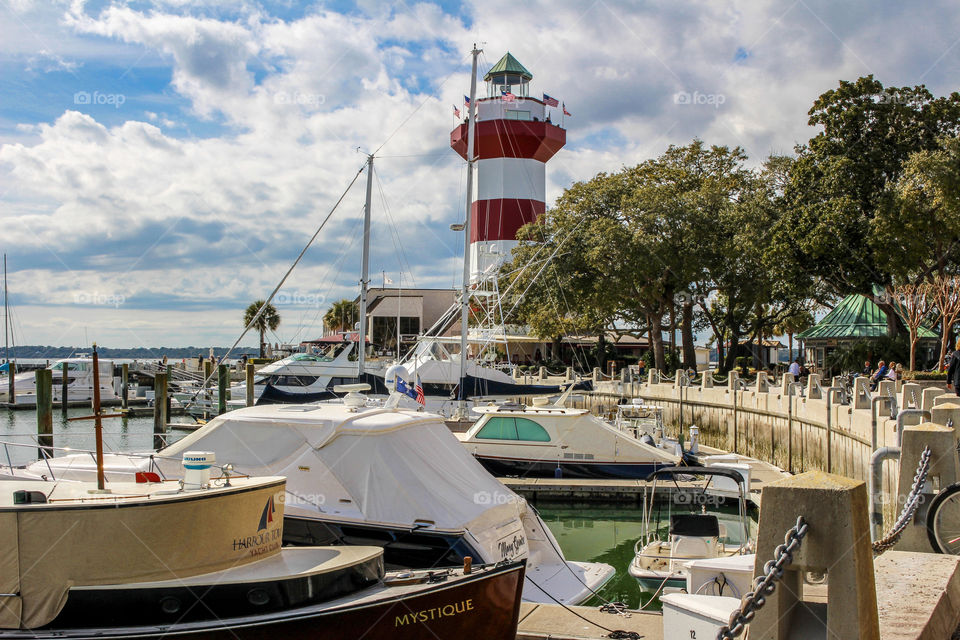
{"x":514,"y":138}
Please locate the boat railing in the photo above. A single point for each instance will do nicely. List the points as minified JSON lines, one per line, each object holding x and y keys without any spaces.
{"x":48,"y":452}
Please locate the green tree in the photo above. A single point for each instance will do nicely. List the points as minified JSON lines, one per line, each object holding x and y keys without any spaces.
{"x":794,"y":324}
{"x":269,"y":319}
{"x":840,"y":180}
{"x":341,"y":316}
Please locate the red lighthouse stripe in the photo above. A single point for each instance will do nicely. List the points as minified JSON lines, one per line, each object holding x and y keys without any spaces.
{"x":500,"y":219}
{"x":511,"y":139}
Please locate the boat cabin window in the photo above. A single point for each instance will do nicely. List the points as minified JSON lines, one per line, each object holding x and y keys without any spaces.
{"x":510,"y":428}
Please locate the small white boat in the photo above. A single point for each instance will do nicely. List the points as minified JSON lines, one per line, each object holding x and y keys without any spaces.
{"x":551,"y":440}
{"x":693,"y":531}
{"x":80,"y":382}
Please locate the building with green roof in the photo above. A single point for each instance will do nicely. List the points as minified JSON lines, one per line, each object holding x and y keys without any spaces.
{"x":856,"y":318}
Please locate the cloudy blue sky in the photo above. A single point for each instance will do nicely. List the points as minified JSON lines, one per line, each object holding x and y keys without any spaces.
{"x":162,"y":163}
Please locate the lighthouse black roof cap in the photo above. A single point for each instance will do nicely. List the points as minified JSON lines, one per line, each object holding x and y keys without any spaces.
{"x":508,"y":65}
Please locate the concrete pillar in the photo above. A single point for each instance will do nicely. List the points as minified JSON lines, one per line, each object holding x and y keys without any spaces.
{"x":943,"y":399}
{"x":733,"y":381}
{"x":861,"y":393}
{"x":887,"y":388}
{"x":569,"y":376}
{"x":786,"y":380}
{"x":910,"y":395}
{"x":680,"y":379}
{"x":944,"y":470}
{"x":837,"y":543}
{"x":543,"y":373}
{"x":838,"y":381}
{"x":707,"y":381}
{"x":948,"y":414}
{"x":763,"y":382}
{"x":625,"y":375}
{"x":814,"y":390}
{"x":928,"y":395}
{"x":653,"y":377}
{"x":596,"y":374}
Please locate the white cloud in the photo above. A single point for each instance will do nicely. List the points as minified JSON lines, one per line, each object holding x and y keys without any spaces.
{"x":109,"y":205}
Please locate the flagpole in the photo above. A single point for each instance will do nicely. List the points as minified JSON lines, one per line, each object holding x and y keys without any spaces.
{"x":399,"y":297}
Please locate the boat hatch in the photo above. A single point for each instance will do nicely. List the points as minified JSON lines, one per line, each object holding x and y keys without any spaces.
{"x":299,"y":407}
{"x":421,"y":523}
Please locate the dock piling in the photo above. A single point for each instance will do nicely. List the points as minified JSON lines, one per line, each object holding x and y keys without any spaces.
{"x":124,"y":386}
{"x":44,"y":383}
{"x":159,"y":410}
{"x":64,"y":389}
{"x":11,"y":387}
{"x":223,"y":380}
{"x":249,"y":372}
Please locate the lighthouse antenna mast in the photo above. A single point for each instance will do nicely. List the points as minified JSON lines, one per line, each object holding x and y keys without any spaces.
{"x":465,"y":293}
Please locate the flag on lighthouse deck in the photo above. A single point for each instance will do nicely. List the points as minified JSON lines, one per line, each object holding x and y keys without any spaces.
{"x":420,"y":399}
{"x":456,"y":112}
{"x":550,"y":102}
{"x":507,"y":96}
{"x":565,"y":112}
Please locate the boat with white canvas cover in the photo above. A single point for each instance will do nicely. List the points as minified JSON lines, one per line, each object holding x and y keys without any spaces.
{"x":360,"y":475}
{"x":552,"y":440}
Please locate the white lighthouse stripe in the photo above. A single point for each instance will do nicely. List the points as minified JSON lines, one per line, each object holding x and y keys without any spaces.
{"x":486,"y":257}
{"x":509,"y":178}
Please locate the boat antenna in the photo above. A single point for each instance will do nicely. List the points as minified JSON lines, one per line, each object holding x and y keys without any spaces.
{"x":365,"y":274}
{"x":465,"y":293}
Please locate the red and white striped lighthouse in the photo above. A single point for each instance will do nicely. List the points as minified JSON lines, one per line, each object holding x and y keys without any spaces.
{"x":514,"y":138}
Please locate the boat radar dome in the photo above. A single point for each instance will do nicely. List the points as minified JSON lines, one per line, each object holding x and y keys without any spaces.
{"x":196,"y":469}
{"x":391,"y":375}
{"x":354,"y":397}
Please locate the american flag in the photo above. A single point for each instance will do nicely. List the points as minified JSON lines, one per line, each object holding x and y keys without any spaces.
{"x":466,"y":101}
{"x":565,"y":112}
{"x":456,"y":112}
{"x":507,"y":96}
{"x":420,"y":399}
{"x":550,"y":102}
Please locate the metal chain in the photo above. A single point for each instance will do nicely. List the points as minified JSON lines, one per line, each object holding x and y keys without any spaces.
{"x":766,"y":584}
{"x":914,"y":499}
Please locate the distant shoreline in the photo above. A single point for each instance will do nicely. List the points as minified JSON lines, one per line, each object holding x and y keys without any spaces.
{"x":40,"y":352}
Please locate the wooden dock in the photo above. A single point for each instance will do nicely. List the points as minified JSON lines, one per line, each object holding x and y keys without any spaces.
{"x":916,"y":599}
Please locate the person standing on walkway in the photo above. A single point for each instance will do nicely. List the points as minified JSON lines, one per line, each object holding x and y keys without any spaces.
{"x":953,"y":371}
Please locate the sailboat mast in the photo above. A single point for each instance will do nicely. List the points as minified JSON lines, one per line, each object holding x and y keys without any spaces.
{"x":6,"y":318}
{"x":465,"y":293}
{"x":365,"y":271}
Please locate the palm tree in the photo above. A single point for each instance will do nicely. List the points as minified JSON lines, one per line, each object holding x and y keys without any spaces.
{"x":341,"y":316}
{"x":269,"y":319}
{"x":794,"y":324}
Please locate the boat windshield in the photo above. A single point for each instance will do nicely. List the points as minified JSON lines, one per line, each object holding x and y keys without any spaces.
{"x":310,"y":357}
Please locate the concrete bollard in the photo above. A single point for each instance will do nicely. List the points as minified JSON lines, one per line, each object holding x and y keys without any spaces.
{"x":44,"y":385}
{"x":543,"y":373}
{"x":945,"y":399}
{"x":786,"y":382}
{"x":596,"y":374}
{"x":680,"y":379}
{"x":910,"y":395}
{"x":944,"y":470}
{"x":653,"y":377}
{"x":887,"y":388}
{"x":861,"y":393}
{"x":929,"y":395}
{"x":814,"y":390}
{"x":733,"y":381}
{"x":763,"y":382}
{"x":707,"y":381}
{"x":569,"y":375}
{"x":837,"y":543}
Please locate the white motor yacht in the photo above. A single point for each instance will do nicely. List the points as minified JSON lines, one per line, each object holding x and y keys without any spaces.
{"x":551,"y":440}
{"x":80,"y":382}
